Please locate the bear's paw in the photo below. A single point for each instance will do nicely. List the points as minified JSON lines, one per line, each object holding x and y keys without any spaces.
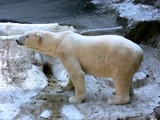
{"x":118,"y":100}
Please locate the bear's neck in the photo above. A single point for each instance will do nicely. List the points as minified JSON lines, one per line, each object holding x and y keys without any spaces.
{"x":53,"y":44}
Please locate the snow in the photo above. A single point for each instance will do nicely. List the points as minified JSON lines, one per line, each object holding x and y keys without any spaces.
{"x":131,"y":11}
{"x":46,"y":114}
{"x":35,"y":79}
{"x":18,"y":29}
{"x":20,"y":81}
{"x":9,"y":111}
{"x":71,"y":112}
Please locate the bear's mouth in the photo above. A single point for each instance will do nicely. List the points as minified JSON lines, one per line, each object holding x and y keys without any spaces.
{"x":36,"y":49}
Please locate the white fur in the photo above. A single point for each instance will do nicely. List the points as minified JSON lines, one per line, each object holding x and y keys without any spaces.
{"x":103,"y":56}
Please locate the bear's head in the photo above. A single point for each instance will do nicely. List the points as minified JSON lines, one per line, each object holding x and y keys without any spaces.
{"x":32,"y":40}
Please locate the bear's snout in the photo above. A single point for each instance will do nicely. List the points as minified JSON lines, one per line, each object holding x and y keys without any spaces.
{"x":20,"y":41}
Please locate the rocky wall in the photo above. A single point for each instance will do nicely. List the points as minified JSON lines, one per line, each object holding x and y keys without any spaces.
{"x":141,"y":22}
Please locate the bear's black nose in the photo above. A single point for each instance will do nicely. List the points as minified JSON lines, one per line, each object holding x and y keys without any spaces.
{"x":19,"y":43}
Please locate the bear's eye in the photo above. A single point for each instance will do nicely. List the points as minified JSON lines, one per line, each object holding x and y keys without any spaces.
{"x":27,"y":36}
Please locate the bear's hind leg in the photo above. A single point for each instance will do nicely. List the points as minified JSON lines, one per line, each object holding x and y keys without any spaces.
{"x":131,"y":90}
{"x":122,"y":87}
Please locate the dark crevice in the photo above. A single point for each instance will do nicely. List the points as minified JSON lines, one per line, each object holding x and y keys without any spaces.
{"x":147,"y":32}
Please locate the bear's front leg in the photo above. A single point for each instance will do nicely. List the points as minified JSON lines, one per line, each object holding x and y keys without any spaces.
{"x":76,"y":75}
{"x":79,"y":85}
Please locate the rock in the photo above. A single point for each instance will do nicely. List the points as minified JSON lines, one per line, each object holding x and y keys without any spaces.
{"x":133,"y":13}
{"x":157,"y":112}
{"x":103,"y":31}
{"x":88,"y":6}
{"x":148,"y":2}
{"x":140,"y":29}
{"x":13,"y":21}
{"x":147,"y":32}
{"x":157,"y":4}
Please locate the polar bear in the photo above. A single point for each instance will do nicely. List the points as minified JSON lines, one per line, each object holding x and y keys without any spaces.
{"x":110,"y":56}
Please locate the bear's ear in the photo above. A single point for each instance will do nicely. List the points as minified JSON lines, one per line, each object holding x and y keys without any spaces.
{"x":39,"y":36}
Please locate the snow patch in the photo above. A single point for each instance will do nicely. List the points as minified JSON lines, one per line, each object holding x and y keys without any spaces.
{"x":131,"y":11}
{"x":71,"y":112}
{"x":18,"y":29}
{"x":9,"y":111}
{"x":46,"y":114}
{"x":35,"y":79}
